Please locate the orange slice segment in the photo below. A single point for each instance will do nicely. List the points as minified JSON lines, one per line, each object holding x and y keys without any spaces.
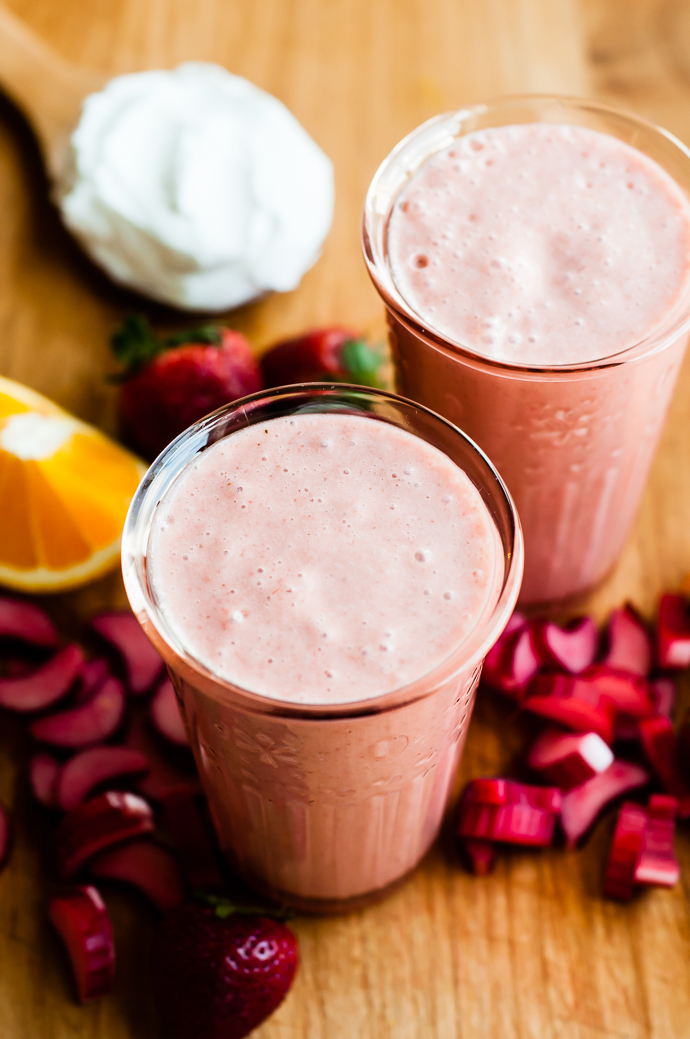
{"x":64,"y":493}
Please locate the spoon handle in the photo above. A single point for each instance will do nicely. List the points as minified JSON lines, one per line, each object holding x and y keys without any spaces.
{"x":48,"y":89}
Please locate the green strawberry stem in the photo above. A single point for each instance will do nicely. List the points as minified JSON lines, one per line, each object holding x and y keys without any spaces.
{"x":135,"y":343}
{"x":224,"y":908}
{"x":362,"y":363}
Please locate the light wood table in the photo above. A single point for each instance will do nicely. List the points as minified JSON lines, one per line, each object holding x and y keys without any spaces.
{"x":532,"y":951}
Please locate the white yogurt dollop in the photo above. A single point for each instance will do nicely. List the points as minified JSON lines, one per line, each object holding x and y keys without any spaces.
{"x":196,"y":188}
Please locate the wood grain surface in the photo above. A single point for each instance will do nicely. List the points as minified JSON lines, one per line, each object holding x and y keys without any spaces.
{"x":532,"y":951}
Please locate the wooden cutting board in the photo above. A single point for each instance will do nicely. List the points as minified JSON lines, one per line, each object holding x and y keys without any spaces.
{"x":532,"y":951}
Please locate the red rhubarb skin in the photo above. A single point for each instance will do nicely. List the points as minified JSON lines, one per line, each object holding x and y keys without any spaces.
{"x":90,"y":768}
{"x":142,"y":662}
{"x":146,"y":866}
{"x":44,"y":772}
{"x":26,"y":622}
{"x":44,"y":686}
{"x":657,"y":864}
{"x":573,"y":648}
{"x":479,"y":855}
{"x":82,"y":921}
{"x":582,"y":805}
{"x":629,"y":643}
{"x":91,"y":723}
{"x":661,"y":750}
{"x":673,"y":632}
{"x":166,"y":715}
{"x":98,"y":824}
{"x":619,"y":878}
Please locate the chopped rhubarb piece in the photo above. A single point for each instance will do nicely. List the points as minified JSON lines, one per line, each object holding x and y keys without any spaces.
{"x":487,"y":791}
{"x":164,"y":774}
{"x":630,"y":693}
{"x":629,"y":644}
{"x":572,"y":648}
{"x":90,"y":768}
{"x":166,"y":715}
{"x":572,"y":702}
{"x":44,"y":771}
{"x":24,"y":621}
{"x":499,"y":791}
{"x":510,"y":823}
{"x":89,"y":723}
{"x":619,"y":878}
{"x":511,"y":663}
{"x":659,"y":744}
{"x":480,"y":856}
{"x":673,"y":632}
{"x":142,"y":661}
{"x":146,"y":866}
{"x":109,"y":819}
{"x":657,"y":864}
{"x":187,"y":830}
{"x":5,"y":835}
{"x":569,"y":759}
{"x":582,"y":804}
{"x":93,"y":675}
{"x":82,"y":921}
{"x":663,"y":692}
{"x":44,"y":686}
{"x":625,"y":728}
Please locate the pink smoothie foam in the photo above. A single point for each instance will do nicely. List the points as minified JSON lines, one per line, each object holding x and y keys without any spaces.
{"x":326,"y":559}
{"x":543,"y":244}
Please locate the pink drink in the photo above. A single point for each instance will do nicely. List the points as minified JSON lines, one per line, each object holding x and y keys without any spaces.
{"x":324,"y":587}
{"x":537,"y":276}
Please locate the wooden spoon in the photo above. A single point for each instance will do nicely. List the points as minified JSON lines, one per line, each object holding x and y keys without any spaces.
{"x":48,"y":89}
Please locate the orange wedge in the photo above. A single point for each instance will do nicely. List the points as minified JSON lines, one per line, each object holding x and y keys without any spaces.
{"x":64,"y":493}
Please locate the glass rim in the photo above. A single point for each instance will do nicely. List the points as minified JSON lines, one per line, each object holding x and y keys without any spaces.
{"x":165,"y":470}
{"x":444,"y":129}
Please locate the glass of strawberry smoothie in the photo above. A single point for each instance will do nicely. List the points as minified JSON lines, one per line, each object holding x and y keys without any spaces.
{"x":533,"y":255}
{"x":323,"y":569}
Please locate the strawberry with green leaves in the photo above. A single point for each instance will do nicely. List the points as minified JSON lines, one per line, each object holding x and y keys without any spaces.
{"x":323,"y":355}
{"x":170,"y":383}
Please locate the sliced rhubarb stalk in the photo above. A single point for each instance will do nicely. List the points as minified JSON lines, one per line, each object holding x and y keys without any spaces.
{"x":480,"y":856}
{"x":630,"y":693}
{"x":90,"y":723}
{"x":510,"y":823}
{"x":44,"y":771}
{"x":109,"y":819}
{"x":93,"y":675}
{"x":568,"y":759}
{"x":82,"y":922}
{"x":659,"y":744}
{"x":90,"y":768}
{"x":582,"y":805}
{"x":22,"y":620}
{"x":657,"y":864}
{"x":629,"y":644}
{"x":164,"y":774}
{"x":619,"y":878}
{"x":673,"y":632}
{"x":143,"y":663}
{"x":572,"y":648}
{"x":166,"y":715}
{"x":498,"y":791}
{"x":511,"y":663}
{"x":663,"y":692}
{"x":5,"y":835}
{"x":44,"y":686}
{"x":625,"y":729}
{"x":187,"y":830}
{"x":146,"y":866}
{"x":572,"y":702}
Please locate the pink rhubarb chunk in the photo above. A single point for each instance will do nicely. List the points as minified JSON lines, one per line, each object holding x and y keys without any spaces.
{"x":44,"y":772}
{"x":98,"y":824}
{"x":89,"y":723}
{"x":660,"y":748}
{"x":93,"y":675}
{"x":510,"y":812}
{"x":582,"y":804}
{"x":82,"y":922}
{"x":44,"y":686}
{"x":480,"y":856}
{"x":572,"y":648}
{"x":673,"y":632}
{"x":143,"y":663}
{"x":569,"y":759}
{"x":572,"y":702}
{"x":146,"y":866}
{"x":22,"y":620}
{"x":619,"y":878}
{"x":90,"y":768}
{"x":5,"y":835}
{"x":629,"y":644}
{"x":166,"y":716}
{"x":657,"y":864}
{"x":629,"y":693}
{"x":513,"y":660}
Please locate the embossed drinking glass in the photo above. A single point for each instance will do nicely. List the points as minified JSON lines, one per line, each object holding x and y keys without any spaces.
{"x":574,"y":442}
{"x":323,"y":807}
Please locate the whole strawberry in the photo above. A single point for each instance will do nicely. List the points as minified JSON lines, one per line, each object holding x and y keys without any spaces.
{"x":170,"y":383}
{"x":218,"y":976}
{"x":323,"y":355}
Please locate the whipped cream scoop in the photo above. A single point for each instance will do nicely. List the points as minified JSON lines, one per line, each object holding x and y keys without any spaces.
{"x":195,"y":187}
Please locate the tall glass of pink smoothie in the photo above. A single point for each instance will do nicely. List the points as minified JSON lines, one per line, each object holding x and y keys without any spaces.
{"x":534,"y":258}
{"x":323,"y":569}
